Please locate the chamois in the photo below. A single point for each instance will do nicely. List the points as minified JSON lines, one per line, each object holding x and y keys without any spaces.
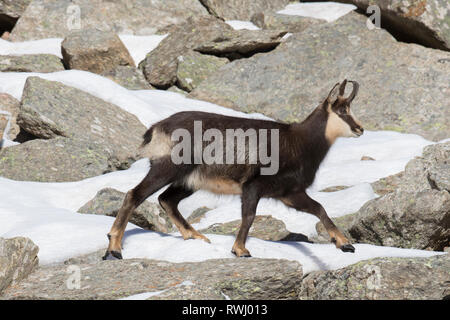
{"x":302,"y":147}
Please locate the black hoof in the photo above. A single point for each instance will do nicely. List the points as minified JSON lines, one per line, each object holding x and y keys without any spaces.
{"x":243,"y":256}
{"x":348,"y":248}
{"x":112,"y":255}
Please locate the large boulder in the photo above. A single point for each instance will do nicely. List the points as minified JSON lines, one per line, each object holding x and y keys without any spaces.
{"x":42,"y":63}
{"x":426,"y":21}
{"x":103,"y":137}
{"x":211,"y":279}
{"x":148,"y":215}
{"x":18,"y":258}
{"x":56,"y":160}
{"x":160,"y":65}
{"x":242,"y":9}
{"x":195,"y":67}
{"x":382,"y":279}
{"x":56,"y":19}
{"x":9,"y":108}
{"x":417,"y":214}
{"x":406,"y":91}
{"x":95,"y":51}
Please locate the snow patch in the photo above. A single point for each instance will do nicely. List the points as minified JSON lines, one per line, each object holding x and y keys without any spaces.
{"x":329,"y":11}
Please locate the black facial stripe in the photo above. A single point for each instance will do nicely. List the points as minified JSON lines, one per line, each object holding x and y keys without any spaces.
{"x":349,"y":120}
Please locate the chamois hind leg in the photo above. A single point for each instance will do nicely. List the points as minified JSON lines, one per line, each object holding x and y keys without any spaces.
{"x":302,"y":202}
{"x":162,"y":172}
{"x":250,"y":198}
{"x":169,"y":200}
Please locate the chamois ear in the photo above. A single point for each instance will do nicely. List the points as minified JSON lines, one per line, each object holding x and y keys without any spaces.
{"x":342,"y":88}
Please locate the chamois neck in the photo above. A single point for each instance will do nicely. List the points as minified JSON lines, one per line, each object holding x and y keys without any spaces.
{"x":312,"y":131}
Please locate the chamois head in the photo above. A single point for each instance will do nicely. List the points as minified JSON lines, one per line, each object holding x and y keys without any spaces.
{"x":341,"y":121}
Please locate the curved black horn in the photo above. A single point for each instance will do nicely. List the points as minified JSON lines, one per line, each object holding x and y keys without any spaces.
{"x":342,"y":88}
{"x":354,"y":92}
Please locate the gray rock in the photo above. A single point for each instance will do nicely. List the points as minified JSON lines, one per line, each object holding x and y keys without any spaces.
{"x":195,"y":67}
{"x":56,"y":19}
{"x":197,"y":215}
{"x":417,"y":214}
{"x":10,"y":11}
{"x":103,"y":137}
{"x":148,"y":215}
{"x":382,"y":279}
{"x":242,"y":42}
{"x":387,"y":184}
{"x":3,"y":123}
{"x":405,"y":92}
{"x":18,"y":258}
{"x":50,"y":109}
{"x":236,"y":278}
{"x":263,"y":227}
{"x":128,"y":77}
{"x":11,"y":105}
{"x":288,"y":23}
{"x":160,"y":65}
{"x":242,"y":9}
{"x":42,"y":63}
{"x":426,"y":21}
{"x":55,"y":160}
{"x":95,"y":51}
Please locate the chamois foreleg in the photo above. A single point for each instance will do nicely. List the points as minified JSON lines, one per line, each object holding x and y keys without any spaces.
{"x":162,"y":172}
{"x":250,"y":198}
{"x":302,"y":202}
{"x":169,"y":200}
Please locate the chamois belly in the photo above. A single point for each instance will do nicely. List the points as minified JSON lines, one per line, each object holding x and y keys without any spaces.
{"x":219,"y":185}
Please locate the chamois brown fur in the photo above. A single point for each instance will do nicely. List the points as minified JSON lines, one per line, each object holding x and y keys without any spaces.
{"x":302,"y":147}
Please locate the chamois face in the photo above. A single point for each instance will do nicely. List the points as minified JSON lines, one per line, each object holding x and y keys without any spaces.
{"x":341,"y":121}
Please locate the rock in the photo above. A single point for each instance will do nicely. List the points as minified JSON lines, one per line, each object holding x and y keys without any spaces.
{"x":3,"y":123}
{"x":42,"y":63}
{"x":56,"y":19}
{"x":51,"y":109}
{"x":197,"y":215}
{"x":388,"y":184}
{"x":424,"y":20}
{"x":430,"y":171}
{"x":367,"y":158}
{"x":417,"y":214}
{"x":382,"y":279}
{"x":10,"y":11}
{"x":148,"y":215}
{"x":194,"y":67}
{"x":288,"y":82}
{"x":212,"y":279}
{"x":287,"y":23}
{"x":334,"y":188}
{"x":95,"y":51}
{"x":343,"y":223}
{"x":18,"y":258}
{"x":55,"y":160}
{"x":10,"y":105}
{"x":241,"y":9}
{"x":263,"y":227}
{"x":160,"y":65}
{"x":128,"y":77}
{"x":242,"y":43}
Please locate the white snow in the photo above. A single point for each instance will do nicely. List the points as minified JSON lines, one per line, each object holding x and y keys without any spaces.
{"x":138,"y":46}
{"x":46,"y":212}
{"x":329,"y":11}
{"x":239,"y":25}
